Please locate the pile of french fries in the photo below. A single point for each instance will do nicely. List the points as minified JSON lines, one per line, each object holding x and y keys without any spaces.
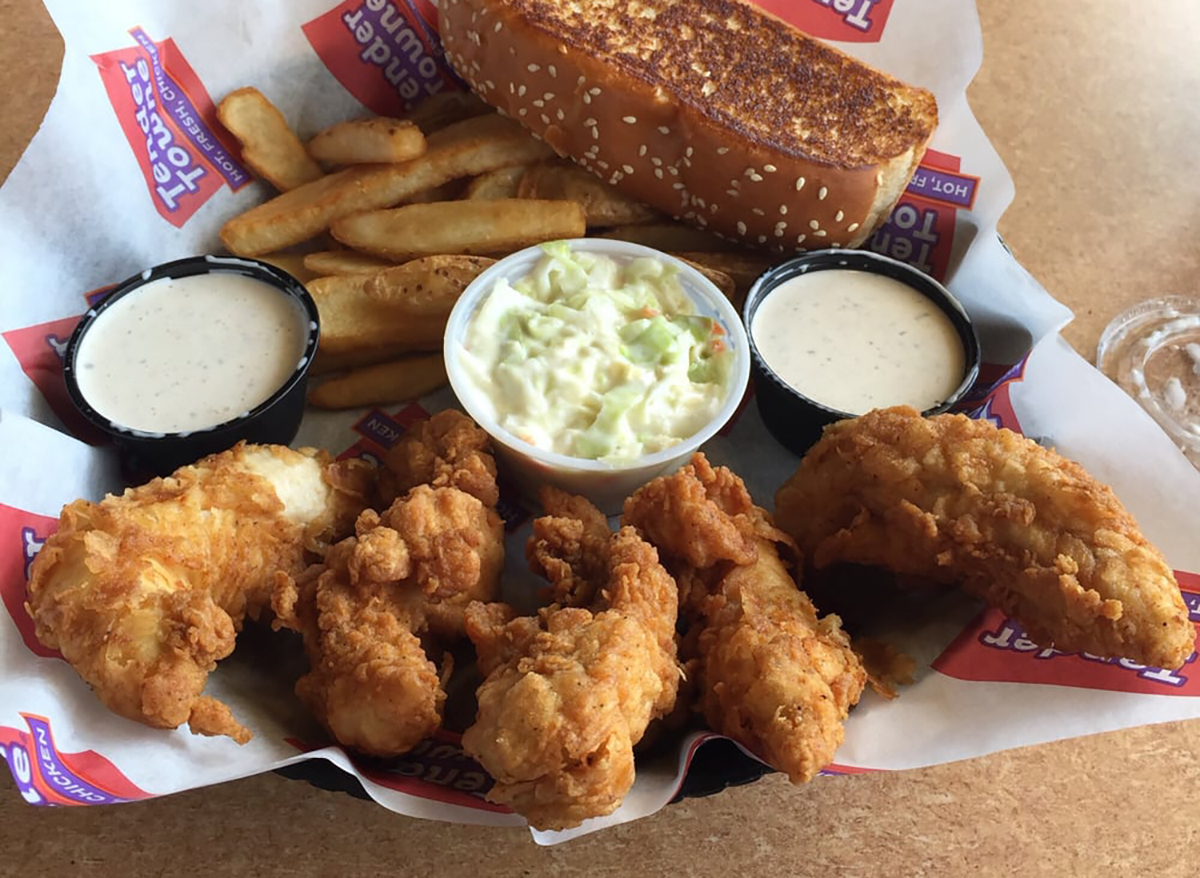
{"x":387,"y":221}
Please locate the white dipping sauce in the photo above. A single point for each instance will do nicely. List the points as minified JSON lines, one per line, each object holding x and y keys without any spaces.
{"x":854,"y":340}
{"x":182,"y":354}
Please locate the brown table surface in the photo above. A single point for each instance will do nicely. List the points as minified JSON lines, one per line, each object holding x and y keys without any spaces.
{"x":1093,"y":107}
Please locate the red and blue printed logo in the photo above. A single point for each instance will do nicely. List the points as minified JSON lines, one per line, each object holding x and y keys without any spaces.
{"x":920,"y":230}
{"x":995,"y":648}
{"x":171,"y":125}
{"x":387,"y":54}
{"x":846,"y":21}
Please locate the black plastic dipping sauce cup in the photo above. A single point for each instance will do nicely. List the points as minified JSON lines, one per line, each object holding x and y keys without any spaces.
{"x":275,"y":421}
{"x":794,"y":419}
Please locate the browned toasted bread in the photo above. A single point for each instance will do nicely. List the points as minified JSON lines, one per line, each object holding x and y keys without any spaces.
{"x":711,"y":110}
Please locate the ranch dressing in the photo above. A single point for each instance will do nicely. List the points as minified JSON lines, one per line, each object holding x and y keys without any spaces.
{"x":188,"y":353}
{"x":854,"y":340}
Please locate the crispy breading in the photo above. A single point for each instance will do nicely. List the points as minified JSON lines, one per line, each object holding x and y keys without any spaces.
{"x":446,"y":450}
{"x":568,"y":694}
{"x":956,"y":500}
{"x":144,"y":592}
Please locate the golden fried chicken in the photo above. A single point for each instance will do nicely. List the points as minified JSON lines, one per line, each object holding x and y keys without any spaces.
{"x":407,"y":572}
{"x":447,"y":450}
{"x":772,"y":675}
{"x":956,"y":500}
{"x":143,"y":593}
{"x":570,"y":692}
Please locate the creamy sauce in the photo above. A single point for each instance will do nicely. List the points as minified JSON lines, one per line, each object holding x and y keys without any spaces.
{"x":854,"y":341}
{"x":182,"y":354}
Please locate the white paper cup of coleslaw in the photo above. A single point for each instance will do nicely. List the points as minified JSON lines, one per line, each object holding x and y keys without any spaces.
{"x":527,"y":467}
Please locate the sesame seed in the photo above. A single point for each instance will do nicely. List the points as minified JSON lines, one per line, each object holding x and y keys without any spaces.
{"x":781,"y":225}
{"x":732,"y":192}
{"x":758,"y":211}
{"x":603,"y":165}
{"x":708,"y":88}
{"x":820,"y":233}
{"x":589,"y":122}
{"x":499,"y":27}
{"x":677,"y":186}
{"x":512,"y":89}
{"x":628,"y":169}
{"x":630,"y":120}
{"x":593,"y":91}
{"x":712,"y":208}
{"x":721,"y":150}
{"x":783,"y":209}
{"x":595,"y":133}
{"x":691,"y":214}
{"x":813,"y":224}
{"x":688,"y":152}
{"x":835,"y":244}
{"x":533,"y":68}
{"x":749,"y":172}
{"x":587,"y":98}
{"x":548,"y":96}
{"x":852,"y":227}
{"x":799,"y":183}
{"x":522,"y":111}
{"x":642,"y":150}
{"x":545,"y":119}
{"x":840,"y":216}
{"x":762,"y":239}
{"x":658,"y":173}
{"x":539,"y":103}
{"x":741,"y":227}
{"x":521,"y":92}
{"x":821,"y":193}
{"x":656,"y":161}
{"x":800,"y":239}
{"x":700,"y":202}
{"x":490,"y":85}
{"x":770,"y":169}
{"x":553,"y":71}
{"x":580,"y":81}
{"x":756,"y":178}
{"x":561,"y":115}
{"x":663,"y":129}
{"x":778,"y":232}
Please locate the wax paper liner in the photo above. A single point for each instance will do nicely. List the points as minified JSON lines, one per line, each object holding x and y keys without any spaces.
{"x":131,"y":169}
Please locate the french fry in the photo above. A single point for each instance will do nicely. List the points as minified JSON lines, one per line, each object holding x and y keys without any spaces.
{"x":293,"y":264}
{"x":465,"y":149}
{"x":269,"y":146}
{"x":325,"y":362}
{"x":426,"y":287}
{"x":460,"y":227}
{"x":604,"y":205}
{"x":445,"y":109}
{"x":745,"y":268}
{"x":353,"y":321}
{"x":667,"y":236}
{"x":326,"y":262}
{"x":721,"y":281}
{"x":500,"y":183}
{"x":364,"y":141}
{"x":396,"y":381}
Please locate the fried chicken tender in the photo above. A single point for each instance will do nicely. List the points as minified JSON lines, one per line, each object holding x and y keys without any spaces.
{"x":956,"y":500}
{"x":772,"y":675}
{"x":570,"y":692}
{"x":406,"y":573}
{"x":447,"y":450}
{"x":143,"y":593}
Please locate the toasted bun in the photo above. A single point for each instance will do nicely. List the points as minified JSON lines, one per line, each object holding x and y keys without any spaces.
{"x":712,"y":111}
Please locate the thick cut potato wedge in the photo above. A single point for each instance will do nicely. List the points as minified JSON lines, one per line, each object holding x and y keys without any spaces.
{"x":365,"y":141}
{"x":475,"y":146}
{"x":353,"y":321}
{"x":327,"y":262}
{"x":396,"y":381}
{"x":501,"y":183}
{"x":325,"y":362}
{"x":427,"y":287}
{"x":460,"y":227}
{"x":269,"y":146}
{"x":604,"y":205}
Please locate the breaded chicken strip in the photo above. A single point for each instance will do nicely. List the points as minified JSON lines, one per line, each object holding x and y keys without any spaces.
{"x":410,"y":571}
{"x":447,"y":450}
{"x":772,"y":676}
{"x":956,"y":500}
{"x":570,"y":692}
{"x":145,"y":592}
